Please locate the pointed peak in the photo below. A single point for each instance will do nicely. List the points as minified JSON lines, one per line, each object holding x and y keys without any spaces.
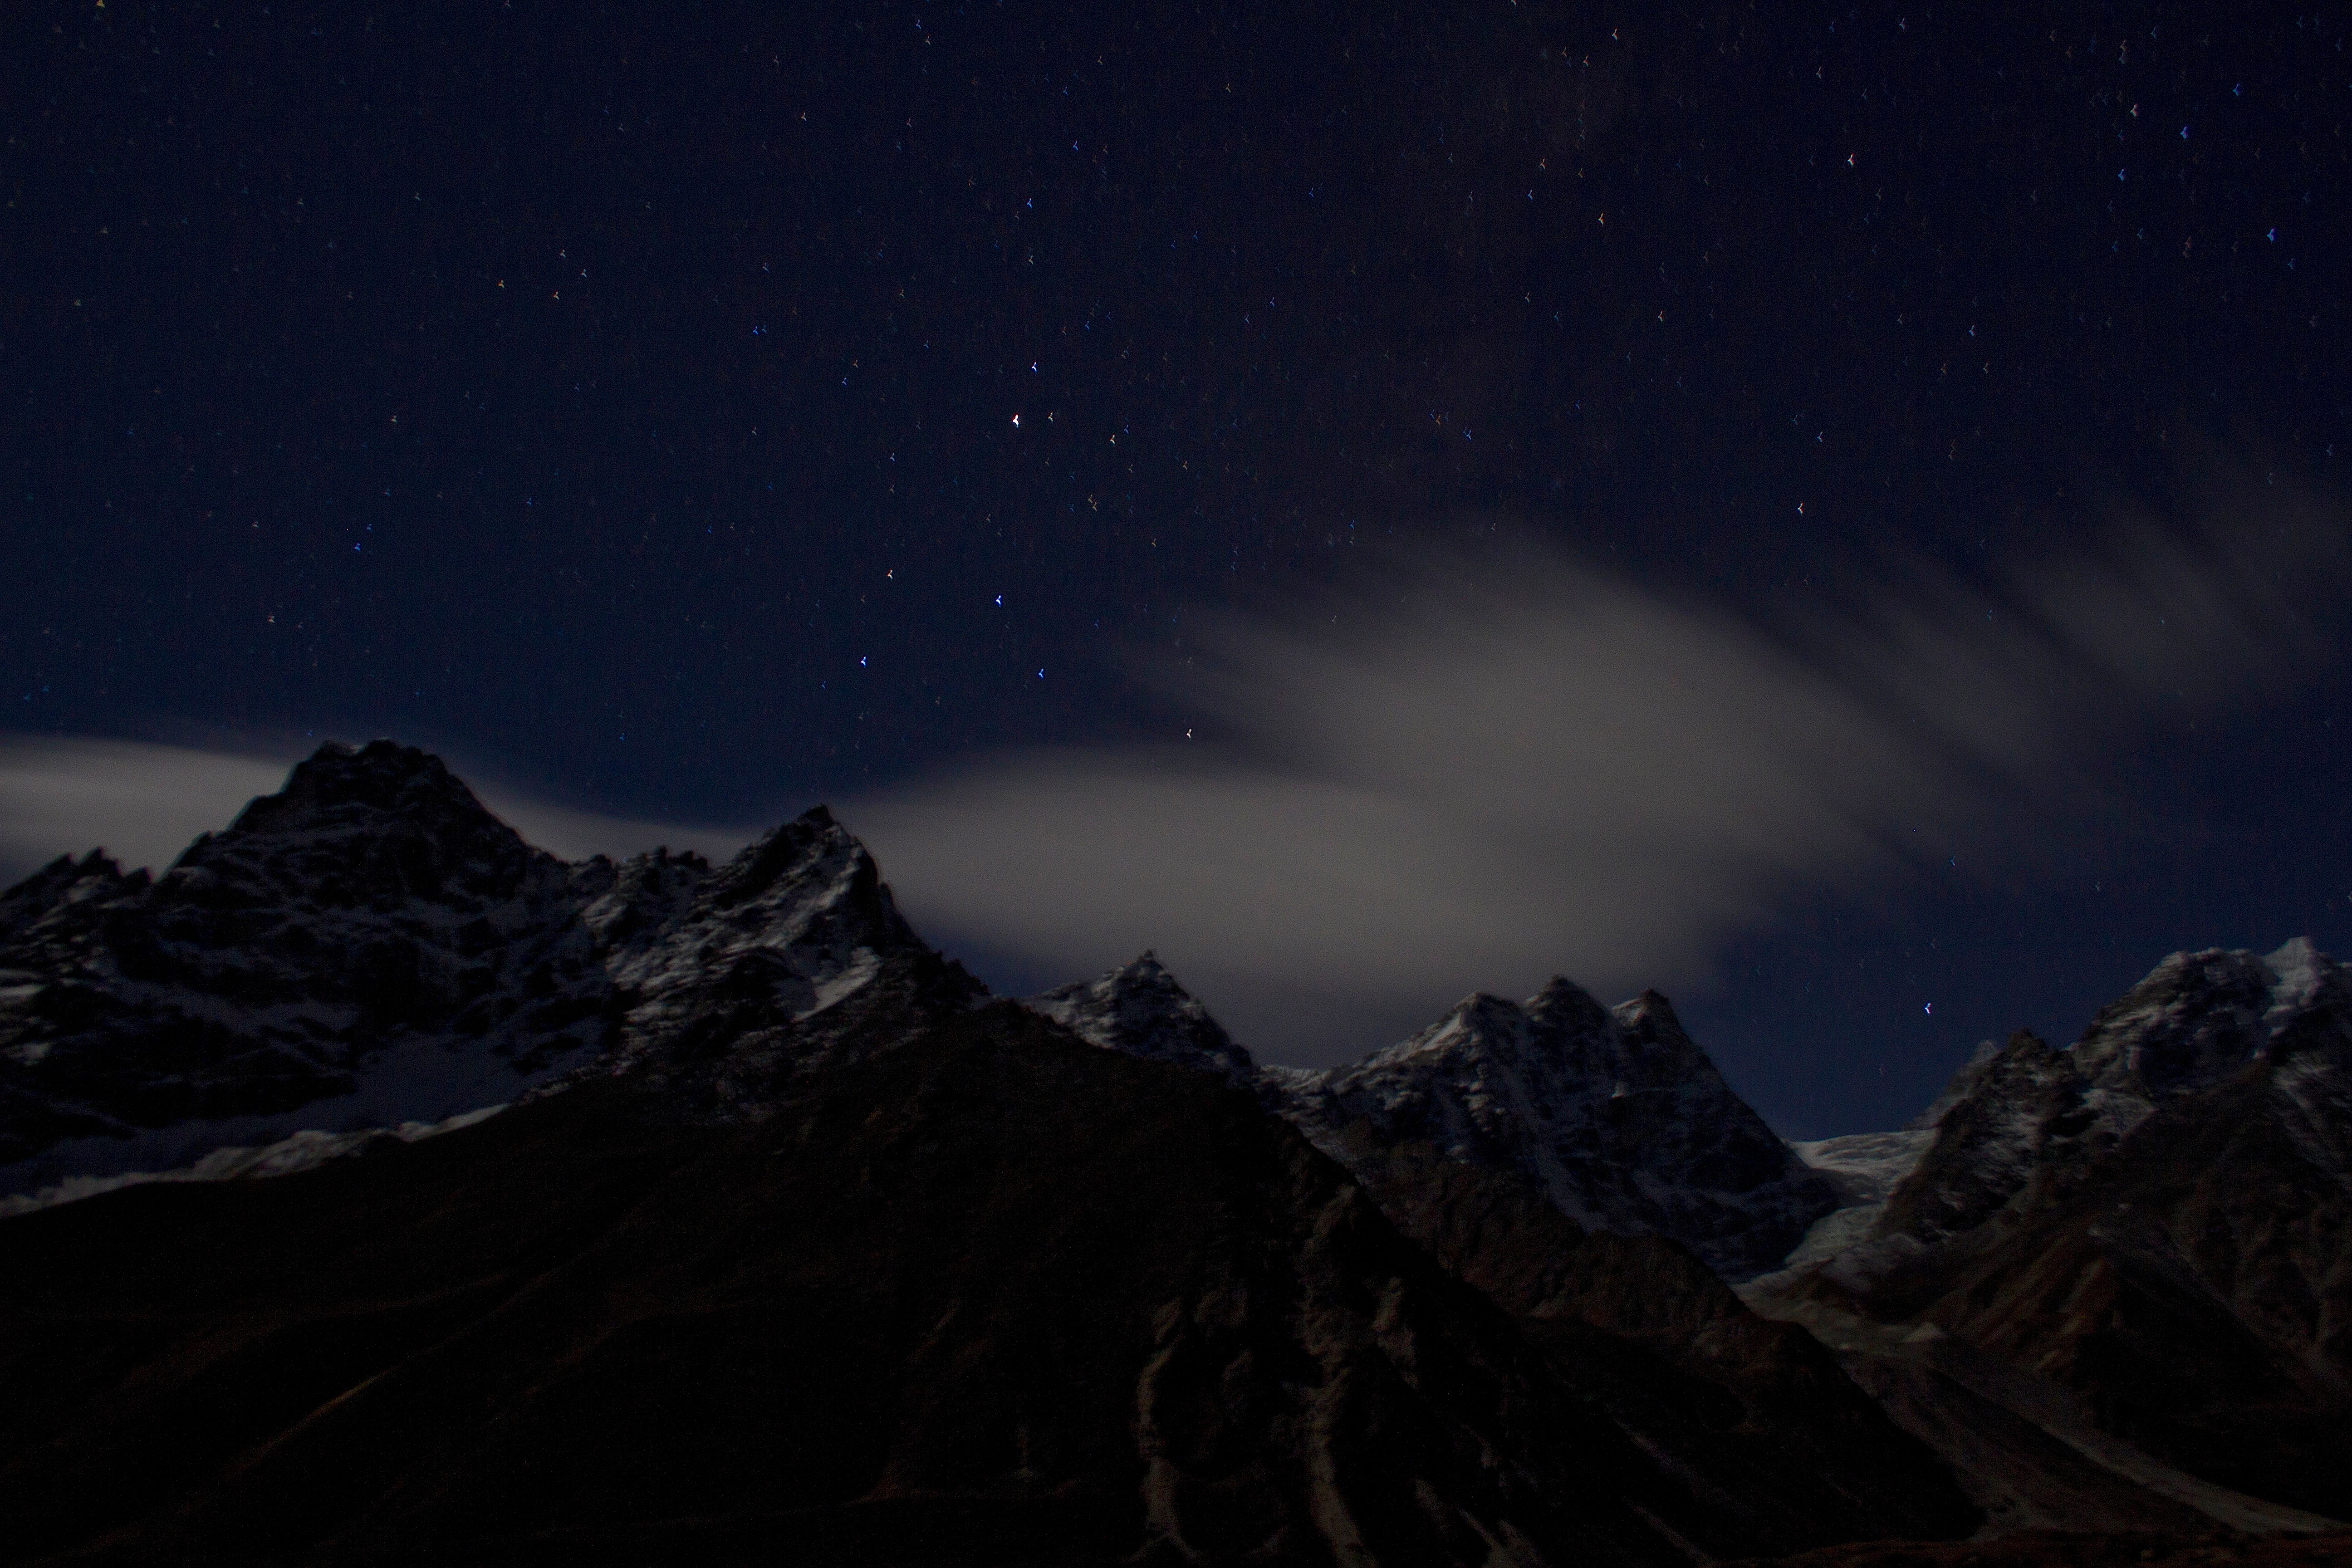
{"x":1961,"y":1084}
{"x":790,"y":852}
{"x":1144,"y":967}
{"x":1650,"y":1017}
{"x":1142,"y":976}
{"x":786,"y":840}
{"x":66,"y":870}
{"x":382,"y":776}
{"x":1484,"y":1007}
{"x":1561,"y":995}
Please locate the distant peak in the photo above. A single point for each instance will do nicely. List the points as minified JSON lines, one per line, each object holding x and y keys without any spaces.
{"x":62,"y":880}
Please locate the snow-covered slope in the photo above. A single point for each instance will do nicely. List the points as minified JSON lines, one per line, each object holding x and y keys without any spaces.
{"x":732,"y":979}
{"x":1618,"y":1116}
{"x":1863,"y":1168}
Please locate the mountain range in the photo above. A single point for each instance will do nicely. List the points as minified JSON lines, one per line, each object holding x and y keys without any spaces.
{"x":793,"y":1242}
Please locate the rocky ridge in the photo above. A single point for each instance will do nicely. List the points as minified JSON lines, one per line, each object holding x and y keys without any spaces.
{"x":1617,"y":1116}
{"x":370,"y":946}
{"x":2153,"y":1228}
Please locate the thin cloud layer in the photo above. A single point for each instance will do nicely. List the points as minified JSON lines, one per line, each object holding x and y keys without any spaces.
{"x":143,"y":803}
{"x":1482,"y":775}
{"x":1469,"y":774}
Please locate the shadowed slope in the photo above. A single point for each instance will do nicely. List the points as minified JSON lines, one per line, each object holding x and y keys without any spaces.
{"x":990,"y":1297}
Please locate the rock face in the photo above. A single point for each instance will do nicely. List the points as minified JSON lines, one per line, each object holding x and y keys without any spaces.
{"x":2158,"y":1220}
{"x":1618,"y":1117}
{"x":372,"y":946}
{"x":729,"y":981}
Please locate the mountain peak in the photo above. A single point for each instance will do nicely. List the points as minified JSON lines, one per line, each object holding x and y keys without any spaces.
{"x":1616,"y":1114}
{"x":1650,"y":1017}
{"x":1141,"y":1010}
{"x":65,"y":880}
{"x":383,"y":775}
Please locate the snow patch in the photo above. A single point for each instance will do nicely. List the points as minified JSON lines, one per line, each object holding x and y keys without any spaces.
{"x":304,"y":1150}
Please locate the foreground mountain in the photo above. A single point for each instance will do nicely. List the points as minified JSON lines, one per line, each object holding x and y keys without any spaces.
{"x":991,"y":1296}
{"x":372,"y":946}
{"x":1617,"y":1117}
{"x":2155,"y":1226}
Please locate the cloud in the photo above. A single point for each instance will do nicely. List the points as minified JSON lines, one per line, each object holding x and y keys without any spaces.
{"x":1475,"y":773}
{"x":1480,"y":773}
{"x":143,"y":803}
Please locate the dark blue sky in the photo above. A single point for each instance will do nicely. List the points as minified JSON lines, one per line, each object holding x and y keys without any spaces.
{"x":628,"y":395}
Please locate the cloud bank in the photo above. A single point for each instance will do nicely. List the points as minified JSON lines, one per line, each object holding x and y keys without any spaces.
{"x":143,"y":803}
{"x":1481,"y":773}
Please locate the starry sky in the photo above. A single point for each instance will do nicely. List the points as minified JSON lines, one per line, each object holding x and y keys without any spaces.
{"x":684,"y":414}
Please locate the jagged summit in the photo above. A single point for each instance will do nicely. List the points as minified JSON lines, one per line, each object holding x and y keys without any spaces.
{"x":1141,"y":1009}
{"x":737,"y":976}
{"x":379,"y":776}
{"x":2027,"y":1112}
{"x":66,"y":882}
{"x":370,"y":945}
{"x":1617,"y":1115}
{"x":2158,"y":1219}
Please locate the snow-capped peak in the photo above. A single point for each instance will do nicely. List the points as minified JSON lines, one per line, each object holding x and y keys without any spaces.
{"x":1140,"y":1009}
{"x":1617,"y":1115}
{"x":370,"y":946}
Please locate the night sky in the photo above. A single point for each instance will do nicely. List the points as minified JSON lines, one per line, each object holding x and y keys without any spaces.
{"x":690,"y":413}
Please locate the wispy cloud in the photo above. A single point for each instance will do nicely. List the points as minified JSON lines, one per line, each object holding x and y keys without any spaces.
{"x":144,"y":802}
{"x":1473,"y":772}
{"x":1477,"y":773}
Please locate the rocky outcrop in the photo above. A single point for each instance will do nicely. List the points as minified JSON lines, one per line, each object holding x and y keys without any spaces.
{"x":1617,"y":1117}
{"x":2158,"y":1221}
